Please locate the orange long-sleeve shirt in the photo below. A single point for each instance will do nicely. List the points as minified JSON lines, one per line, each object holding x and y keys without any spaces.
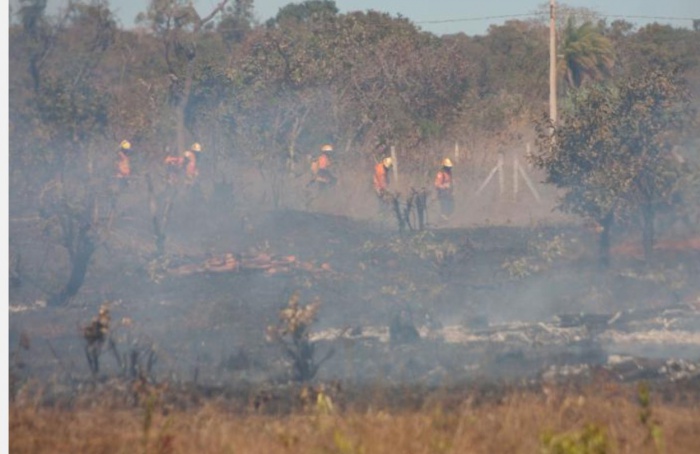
{"x":381,"y":177}
{"x":123,"y":165}
{"x":324,"y":162}
{"x":443,"y":180}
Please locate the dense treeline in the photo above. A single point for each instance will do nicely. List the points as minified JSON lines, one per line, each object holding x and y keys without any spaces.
{"x":364,"y":80}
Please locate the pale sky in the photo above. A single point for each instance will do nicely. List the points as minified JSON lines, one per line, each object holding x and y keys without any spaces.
{"x":468,"y":16}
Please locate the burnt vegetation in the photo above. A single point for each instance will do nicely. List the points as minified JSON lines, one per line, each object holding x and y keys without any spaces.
{"x":522,"y":313}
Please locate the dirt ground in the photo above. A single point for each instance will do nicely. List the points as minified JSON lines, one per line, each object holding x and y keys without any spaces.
{"x":499,"y":270}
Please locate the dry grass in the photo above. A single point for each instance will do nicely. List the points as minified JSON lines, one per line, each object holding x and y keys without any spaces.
{"x":516,"y":422}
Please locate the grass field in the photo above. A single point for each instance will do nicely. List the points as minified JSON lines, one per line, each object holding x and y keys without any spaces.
{"x":605,"y":418}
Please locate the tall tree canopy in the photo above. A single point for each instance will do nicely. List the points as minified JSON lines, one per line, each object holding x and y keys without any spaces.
{"x":612,"y":153}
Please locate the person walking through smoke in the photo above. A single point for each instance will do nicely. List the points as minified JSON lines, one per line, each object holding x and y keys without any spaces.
{"x":187,"y":162}
{"x":124,"y":163}
{"x":444,"y":189}
{"x":321,"y":169}
{"x":381,"y":177}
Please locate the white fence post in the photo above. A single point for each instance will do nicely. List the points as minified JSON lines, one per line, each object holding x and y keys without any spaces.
{"x":528,"y":182}
{"x":395,"y":167}
{"x":515,"y":179}
{"x":501,"y":176}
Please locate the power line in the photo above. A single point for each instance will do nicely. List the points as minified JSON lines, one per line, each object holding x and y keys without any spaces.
{"x":616,"y":16}
{"x":467,"y":19}
{"x":510,"y":16}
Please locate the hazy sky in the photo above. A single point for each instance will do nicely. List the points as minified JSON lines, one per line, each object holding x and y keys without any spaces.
{"x":469,"y":16}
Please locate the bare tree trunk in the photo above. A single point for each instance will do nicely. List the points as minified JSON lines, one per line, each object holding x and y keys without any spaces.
{"x":160,"y":217}
{"x":81,"y":246}
{"x":187,"y":89}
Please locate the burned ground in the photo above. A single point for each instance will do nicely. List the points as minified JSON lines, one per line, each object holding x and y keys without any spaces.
{"x":489,"y":302}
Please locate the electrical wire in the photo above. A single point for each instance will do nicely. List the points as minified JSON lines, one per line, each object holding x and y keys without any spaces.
{"x":510,"y":16}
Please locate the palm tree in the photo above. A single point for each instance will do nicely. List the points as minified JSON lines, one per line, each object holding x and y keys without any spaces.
{"x":586,"y":55}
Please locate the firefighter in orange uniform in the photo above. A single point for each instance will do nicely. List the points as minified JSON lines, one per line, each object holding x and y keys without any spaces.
{"x":124,"y":162}
{"x":191,"y":171}
{"x":174,"y":166}
{"x":187,"y":162}
{"x":321,"y":168}
{"x":381,"y":177}
{"x":443,"y":186}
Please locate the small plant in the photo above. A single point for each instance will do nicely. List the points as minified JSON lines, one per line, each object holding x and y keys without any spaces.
{"x":645,"y":417}
{"x":519,"y":268}
{"x":157,"y":268}
{"x":292,"y":333}
{"x":422,"y":245}
{"x":548,"y":250}
{"x":592,"y":439}
{"x":541,"y":254}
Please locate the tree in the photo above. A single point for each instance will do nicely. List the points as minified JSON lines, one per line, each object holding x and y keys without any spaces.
{"x":66,"y":110}
{"x":236,"y":21}
{"x":304,"y":11}
{"x":657,"y":45}
{"x":582,"y":158}
{"x":179,"y":27}
{"x":587,"y":55}
{"x":653,"y":113}
{"x":612,"y":152}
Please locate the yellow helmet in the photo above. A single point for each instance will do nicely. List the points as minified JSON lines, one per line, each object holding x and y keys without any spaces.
{"x":327,"y":147}
{"x":125,"y":145}
{"x":196,"y":147}
{"x":446,"y":162}
{"x":388,"y":162}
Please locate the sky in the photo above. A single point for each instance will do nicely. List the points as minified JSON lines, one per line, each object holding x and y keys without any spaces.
{"x":452,"y":16}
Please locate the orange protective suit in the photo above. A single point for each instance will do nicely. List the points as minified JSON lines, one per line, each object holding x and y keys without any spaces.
{"x":381,"y":178}
{"x":443,"y":186}
{"x":123,"y":165}
{"x":191,"y":171}
{"x":443,"y":181}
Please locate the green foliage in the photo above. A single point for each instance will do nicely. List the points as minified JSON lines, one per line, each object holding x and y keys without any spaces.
{"x":520,"y":268}
{"x":237,"y":21}
{"x":542,"y":252}
{"x":421,"y":244}
{"x":592,"y":439}
{"x":587,"y":55}
{"x":655,"y":433}
{"x":612,"y":153}
{"x":343,"y":444}
{"x":157,"y":268}
{"x":73,"y":113}
{"x":364,"y":79}
{"x":305,"y":11}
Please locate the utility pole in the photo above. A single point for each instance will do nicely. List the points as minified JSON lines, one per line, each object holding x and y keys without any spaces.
{"x":552,"y":62}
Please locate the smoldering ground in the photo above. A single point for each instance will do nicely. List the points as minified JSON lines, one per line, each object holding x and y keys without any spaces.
{"x":515,"y":301}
